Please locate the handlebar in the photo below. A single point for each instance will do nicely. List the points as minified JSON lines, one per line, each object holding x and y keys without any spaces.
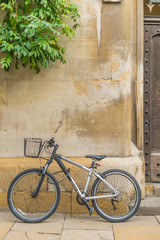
{"x":51,"y":144}
{"x":51,"y":141}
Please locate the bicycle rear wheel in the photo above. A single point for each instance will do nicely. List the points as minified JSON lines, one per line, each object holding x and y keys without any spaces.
{"x":27,"y":207}
{"x":122,"y":207}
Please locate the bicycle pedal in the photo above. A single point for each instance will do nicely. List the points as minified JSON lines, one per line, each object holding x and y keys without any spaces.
{"x":91,"y":211}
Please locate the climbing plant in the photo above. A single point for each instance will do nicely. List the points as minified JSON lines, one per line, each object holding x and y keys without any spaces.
{"x":30,"y":31}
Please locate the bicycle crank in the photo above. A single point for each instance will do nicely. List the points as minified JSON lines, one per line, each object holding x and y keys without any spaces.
{"x":83,"y":201}
{"x":80,"y":200}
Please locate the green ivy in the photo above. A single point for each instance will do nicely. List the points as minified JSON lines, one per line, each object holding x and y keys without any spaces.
{"x":31,"y":29}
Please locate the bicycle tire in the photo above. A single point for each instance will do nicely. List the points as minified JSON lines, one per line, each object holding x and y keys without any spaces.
{"x":125,"y":205}
{"x":28,"y":208}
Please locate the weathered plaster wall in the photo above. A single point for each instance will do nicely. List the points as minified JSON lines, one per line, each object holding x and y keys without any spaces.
{"x":85,"y":104}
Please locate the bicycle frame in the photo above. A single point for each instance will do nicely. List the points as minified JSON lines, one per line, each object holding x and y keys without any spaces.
{"x":59,"y":158}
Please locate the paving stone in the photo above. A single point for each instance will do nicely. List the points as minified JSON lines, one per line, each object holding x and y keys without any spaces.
{"x":6,"y":222}
{"x":7,"y":217}
{"x":140,"y":221}
{"x":20,"y":235}
{"x":87,"y":235}
{"x":86,"y":222}
{"x":136,"y":232}
{"x":52,"y":225}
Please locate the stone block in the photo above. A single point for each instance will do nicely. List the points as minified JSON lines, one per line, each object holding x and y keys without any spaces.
{"x":53,"y":225}
{"x":149,"y":189}
{"x":87,"y":234}
{"x":8,"y":170}
{"x":19,"y":235}
{"x":136,"y":232}
{"x":5,"y":228}
{"x":139,"y":221}
{"x":156,"y":189}
{"x":65,"y":204}
{"x":81,"y":222}
{"x":3,"y":199}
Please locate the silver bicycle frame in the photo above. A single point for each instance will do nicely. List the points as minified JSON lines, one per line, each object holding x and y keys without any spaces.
{"x":91,"y":171}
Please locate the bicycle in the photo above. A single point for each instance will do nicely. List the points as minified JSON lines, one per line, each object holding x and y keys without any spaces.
{"x":34,"y":194}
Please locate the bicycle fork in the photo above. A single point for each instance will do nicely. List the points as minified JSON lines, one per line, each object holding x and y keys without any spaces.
{"x":36,"y":191}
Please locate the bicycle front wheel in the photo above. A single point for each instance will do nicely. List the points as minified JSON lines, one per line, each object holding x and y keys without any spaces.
{"x":27,"y":207}
{"x":122,"y":207}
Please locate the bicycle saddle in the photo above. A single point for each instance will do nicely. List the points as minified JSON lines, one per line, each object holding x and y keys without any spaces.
{"x":97,"y":157}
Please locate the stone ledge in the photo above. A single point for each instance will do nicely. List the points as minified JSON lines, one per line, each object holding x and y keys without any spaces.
{"x":9,"y":168}
{"x":149,"y":206}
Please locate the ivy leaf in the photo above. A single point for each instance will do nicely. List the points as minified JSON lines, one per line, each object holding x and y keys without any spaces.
{"x":28,"y":45}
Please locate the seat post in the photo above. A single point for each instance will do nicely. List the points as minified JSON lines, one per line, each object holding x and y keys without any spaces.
{"x":93,"y":162}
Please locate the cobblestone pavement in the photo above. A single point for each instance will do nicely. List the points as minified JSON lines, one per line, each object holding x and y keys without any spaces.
{"x":79,"y":227}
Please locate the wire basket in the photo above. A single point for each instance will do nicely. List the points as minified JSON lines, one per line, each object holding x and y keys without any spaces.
{"x":32,"y":147}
